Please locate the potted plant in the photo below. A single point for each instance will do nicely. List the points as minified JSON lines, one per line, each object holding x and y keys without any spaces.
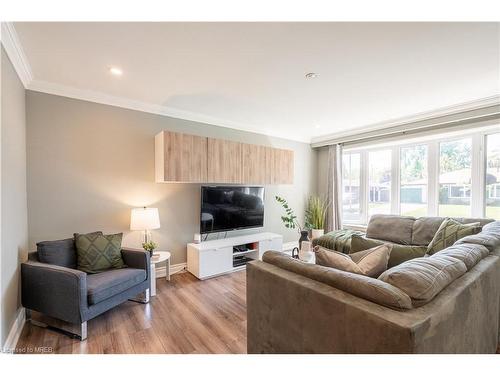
{"x":290,"y":220}
{"x":149,"y":246}
{"x":316,"y":216}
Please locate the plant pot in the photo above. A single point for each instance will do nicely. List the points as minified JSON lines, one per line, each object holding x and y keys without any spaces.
{"x":303,"y":237}
{"x":316,"y":233}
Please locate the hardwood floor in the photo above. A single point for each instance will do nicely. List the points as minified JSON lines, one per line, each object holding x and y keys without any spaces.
{"x":186,"y":316}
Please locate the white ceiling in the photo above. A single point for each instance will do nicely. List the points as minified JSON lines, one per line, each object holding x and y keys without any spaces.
{"x":251,"y":75}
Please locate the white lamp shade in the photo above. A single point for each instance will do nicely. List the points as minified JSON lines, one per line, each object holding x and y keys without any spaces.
{"x":144,"y":219}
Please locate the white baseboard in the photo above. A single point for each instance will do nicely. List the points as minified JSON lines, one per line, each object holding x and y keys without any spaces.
{"x":15,"y":331}
{"x":174,"y":268}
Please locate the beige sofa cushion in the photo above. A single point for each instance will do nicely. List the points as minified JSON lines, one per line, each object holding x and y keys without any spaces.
{"x":470,"y":254}
{"x":399,"y":253}
{"x":449,"y":232}
{"x":489,"y":237}
{"x":371,"y":262}
{"x":361,"y":286}
{"x":392,"y":228}
{"x":424,"y":229}
{"x":423,"y":278}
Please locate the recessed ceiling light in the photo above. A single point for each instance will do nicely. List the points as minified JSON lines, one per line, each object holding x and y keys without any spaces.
{"x":115,"y":71}
{"x":312,"y":75}
{"x":317,"y":126}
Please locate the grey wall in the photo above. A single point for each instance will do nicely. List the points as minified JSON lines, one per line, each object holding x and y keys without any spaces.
{"x":88,"y":164}
{"x":14,"y":224}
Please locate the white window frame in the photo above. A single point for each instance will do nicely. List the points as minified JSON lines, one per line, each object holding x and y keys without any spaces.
{"x":478,"y":174}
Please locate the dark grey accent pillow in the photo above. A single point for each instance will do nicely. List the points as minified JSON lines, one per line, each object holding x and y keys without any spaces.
{"x":59,"y":252}
{"x":393,"y":228}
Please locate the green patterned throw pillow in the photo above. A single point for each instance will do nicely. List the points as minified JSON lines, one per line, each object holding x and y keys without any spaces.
{"x":449,"y":232}
{"x":97,"y":252}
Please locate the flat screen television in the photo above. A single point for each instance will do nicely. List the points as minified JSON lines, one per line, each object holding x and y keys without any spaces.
{"x":225,"y":208}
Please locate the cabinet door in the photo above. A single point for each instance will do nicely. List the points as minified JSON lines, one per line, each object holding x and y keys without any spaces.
{"x":284,"y":166}
{"x":253,"y":164}
{"x":184,"y":158}
{"x":224,"y":161}
{"x":215,"y":261}
{"x":279,"y":166}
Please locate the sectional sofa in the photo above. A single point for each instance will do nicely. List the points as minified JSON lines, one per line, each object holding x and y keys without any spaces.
{"x":295,"y":307}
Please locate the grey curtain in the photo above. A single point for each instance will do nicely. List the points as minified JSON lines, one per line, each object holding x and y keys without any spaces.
{"x":334,"y":213}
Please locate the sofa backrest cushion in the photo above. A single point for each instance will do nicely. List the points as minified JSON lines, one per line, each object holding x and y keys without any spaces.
{"x":399,"y":254}
{"x":470,"y":254}
{"x":423,"y":278}
{"x":424,"y":229}
{"x":393,"y":228}
{"x":358,"y":285}
{"x":489,"y":237}
{"x":371,"y":262}
{"x":492,"y":227}
{"x":59,"y":253}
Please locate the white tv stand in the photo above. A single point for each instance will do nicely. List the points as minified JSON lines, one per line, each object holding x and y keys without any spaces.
{"x":211,"y":258}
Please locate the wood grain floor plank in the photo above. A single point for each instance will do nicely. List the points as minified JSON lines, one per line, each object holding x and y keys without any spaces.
{"x":186,"y":316}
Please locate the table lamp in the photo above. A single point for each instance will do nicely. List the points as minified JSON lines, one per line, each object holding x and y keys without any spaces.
{"x":144,"y":219}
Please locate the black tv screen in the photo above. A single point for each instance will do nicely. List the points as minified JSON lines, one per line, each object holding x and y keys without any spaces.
{"x":225,"y":208}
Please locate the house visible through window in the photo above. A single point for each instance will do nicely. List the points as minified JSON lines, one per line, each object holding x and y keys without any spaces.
{"x":454,"y":177}
{"x":455,"y":159}
{"x":379,"y":187}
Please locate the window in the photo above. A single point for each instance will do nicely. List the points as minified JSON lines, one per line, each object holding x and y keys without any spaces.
{"x":379,"y":182}
{"x":492,"y":181}
{"x":453,"y":177}
{"x":351,"y":178}
{"x":455,"y":160}
{"x":413,"y":181}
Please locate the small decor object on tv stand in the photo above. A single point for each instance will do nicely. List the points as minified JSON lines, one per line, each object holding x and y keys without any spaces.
{"x":197,"y":238}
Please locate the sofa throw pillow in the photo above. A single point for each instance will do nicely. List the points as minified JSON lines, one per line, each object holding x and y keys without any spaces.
{"x":449,"y":232}
{"x":97,"y":252}
{"x":371,"y":262}
{"x":399,"y":253}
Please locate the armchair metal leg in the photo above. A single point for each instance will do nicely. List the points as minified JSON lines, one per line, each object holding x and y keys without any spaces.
{"x":81,"y":333}
{"x":142,"y":297}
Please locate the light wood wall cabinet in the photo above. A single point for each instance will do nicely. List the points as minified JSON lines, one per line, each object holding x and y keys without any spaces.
{"x":224,"y":161}
{"x":279,"y":166}
{"x":254,"y":164}
{"x":180,"y":157}
{"x":187,"y":158}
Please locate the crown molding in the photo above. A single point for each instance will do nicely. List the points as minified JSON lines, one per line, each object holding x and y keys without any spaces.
{"x":16,"y":54}
{"x":408,"y":122}
{"x":117,"y":101}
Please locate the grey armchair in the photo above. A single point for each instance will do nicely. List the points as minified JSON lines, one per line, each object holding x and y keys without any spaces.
{"x":51,"y":284}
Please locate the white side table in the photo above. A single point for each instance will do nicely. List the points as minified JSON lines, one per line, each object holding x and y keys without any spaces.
{"x":164,"y":256}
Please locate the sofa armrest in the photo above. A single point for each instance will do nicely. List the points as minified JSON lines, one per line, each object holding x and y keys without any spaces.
{"x":56,"y":291}
{"x":137,"y":258}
